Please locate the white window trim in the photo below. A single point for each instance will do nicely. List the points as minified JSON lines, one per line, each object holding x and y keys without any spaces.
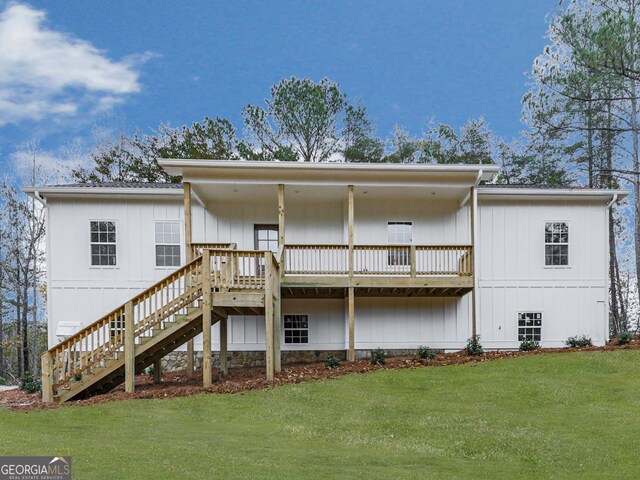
{"x":296,"y":345}
{"x":541,"y":312}
{"x":544,"y":244}
{"x":400,"y":222}
{"x":180,"y":232}
{"x":104,"y":267}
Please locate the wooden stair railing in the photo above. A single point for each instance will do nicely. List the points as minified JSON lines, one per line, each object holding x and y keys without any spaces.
{"x":103,"y":340}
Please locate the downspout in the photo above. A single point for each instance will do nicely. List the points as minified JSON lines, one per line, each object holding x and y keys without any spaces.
{"x":474,"y":243}
{"x":40,"y":198}
{"x":607,"y":276}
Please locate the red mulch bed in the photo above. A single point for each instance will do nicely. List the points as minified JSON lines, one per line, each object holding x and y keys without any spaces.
{"x":179,"y":384}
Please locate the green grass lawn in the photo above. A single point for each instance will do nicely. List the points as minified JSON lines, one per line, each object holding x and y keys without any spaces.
{"x":545,"y":416}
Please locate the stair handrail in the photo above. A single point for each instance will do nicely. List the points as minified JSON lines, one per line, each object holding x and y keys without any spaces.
{"x":97,"y":343}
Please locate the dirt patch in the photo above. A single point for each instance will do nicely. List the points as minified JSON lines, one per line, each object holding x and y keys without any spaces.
{"x":179,"y":384}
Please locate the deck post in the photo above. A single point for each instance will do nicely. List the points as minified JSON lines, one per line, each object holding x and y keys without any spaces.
{"x":206,"y":318}
{"x":129,"y":349}
{"x":157,"y":371}
{"x":47,"y":377}
{"x":352,"y":323}
{"x":412,"y":254}
{"x":350,"y":230}
{"x":473,"y":227}
{"x":188,"y":255}
{"x":224,"y":364}
{"x":268,"y":315}
{"x":277,"y":310}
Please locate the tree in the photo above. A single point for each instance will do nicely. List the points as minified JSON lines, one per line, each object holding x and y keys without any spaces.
{"x":360,"y":144}
{"x":405,"y":149}
{"x":301,"y":117}
{"x":135,"y":158}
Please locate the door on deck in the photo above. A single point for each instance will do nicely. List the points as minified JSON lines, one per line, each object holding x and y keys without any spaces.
{"x":265,"y":239}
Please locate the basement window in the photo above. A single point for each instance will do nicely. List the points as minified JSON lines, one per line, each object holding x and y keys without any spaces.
{"x":103,"y":243}
{"x":296,"y":329}
{"x":529,"y":326}
{"x":167,"y":244}
{"x":556,"y":244}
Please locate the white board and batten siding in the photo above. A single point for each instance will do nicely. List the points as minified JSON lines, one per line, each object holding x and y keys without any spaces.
{"x":512,"y":275}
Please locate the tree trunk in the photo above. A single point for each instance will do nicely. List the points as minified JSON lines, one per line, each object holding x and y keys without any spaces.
{"x":636,"y":179}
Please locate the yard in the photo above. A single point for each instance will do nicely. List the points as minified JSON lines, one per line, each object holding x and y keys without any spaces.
{"x":564,"y":415}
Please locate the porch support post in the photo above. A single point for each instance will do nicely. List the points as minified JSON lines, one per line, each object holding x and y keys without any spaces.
{"x":351,"y":356}
{"x":224,"y":364}
{"x":206,"y":318}
{"x":473,"y":228}
{"x":129,"y":349}
{"x":277,"y":311}
{"x":268,"y":315}
{"x":350,"y":230}
{"x":188,"y":255}
{"x":157,"y":371}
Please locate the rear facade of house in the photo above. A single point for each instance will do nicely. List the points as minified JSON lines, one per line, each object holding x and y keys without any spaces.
{"x":367,"y":256}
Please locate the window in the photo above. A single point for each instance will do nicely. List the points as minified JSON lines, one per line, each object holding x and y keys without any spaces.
{"x":103,"y":243}
{"x":400,"y":233}
{"x":556,"y":244}
{"x":265,"y":238}
{"x":117,"y":326}
{"x":167,"y":244}
{"x":296,"y":329}
{"x":529,"y":326}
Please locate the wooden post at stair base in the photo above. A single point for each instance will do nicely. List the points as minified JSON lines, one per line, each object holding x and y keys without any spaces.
{"x":157,"y":371}
{"x":268,"y":315}
{"x":206,"y":318}
{"x":187,"y":242}
{"x":224,"y":363}
{"x":351,"y":356}
{"x":277,"y":309}
{"x":47,"y":377}
{"x":129,"y":349}
{"x":473,"y":228}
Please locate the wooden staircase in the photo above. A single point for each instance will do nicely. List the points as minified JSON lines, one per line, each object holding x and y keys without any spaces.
{"x":162,"y":318}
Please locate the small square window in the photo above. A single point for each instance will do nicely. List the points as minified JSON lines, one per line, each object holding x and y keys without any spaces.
{"x":529,"y":326}
{"x":296,"y":329}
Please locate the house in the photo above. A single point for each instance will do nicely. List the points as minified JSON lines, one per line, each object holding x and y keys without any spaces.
{"x":272,"y":262}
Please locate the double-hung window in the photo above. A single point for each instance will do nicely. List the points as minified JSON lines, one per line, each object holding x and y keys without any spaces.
{"x":296,"y":329}
{"x":103,"y":243}
{"x":556,"y":244}
{"x":399,"y":233}
{"x":167,"y":244}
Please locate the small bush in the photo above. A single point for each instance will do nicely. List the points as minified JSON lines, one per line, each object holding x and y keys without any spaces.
{"x":332,"y":361}
{"x":426,"y":352}
{"x":473,"y":346}
{"x":30,"y":384}
{"x":624,"y":337}
{"x":378,"y":356}
{"x":149,"y":370}
{"x":529,"y":345}
{"x":579,"y":341}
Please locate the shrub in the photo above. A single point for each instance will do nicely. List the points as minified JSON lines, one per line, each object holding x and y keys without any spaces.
{"x":529,"y":345}
{"x":332,"y":361}
{"x":579,"y":341}
{"x":473,"y":346}
{"x":426,"y":352}
{"x":624,"y":337}
{"x":149,"y":370}
{"x":378,"y":356}
{"x":30,"y":384}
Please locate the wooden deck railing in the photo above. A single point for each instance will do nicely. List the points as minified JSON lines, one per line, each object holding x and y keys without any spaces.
{"x":103,"y":339}
{"x":403,"y":260}
{"x":106,"y":338}
{"x":197,"y":248}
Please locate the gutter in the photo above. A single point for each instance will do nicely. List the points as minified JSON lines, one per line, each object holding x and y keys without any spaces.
{"x":614,"y":199}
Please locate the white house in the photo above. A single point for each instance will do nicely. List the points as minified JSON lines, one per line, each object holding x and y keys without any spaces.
{"x":290,"y":261}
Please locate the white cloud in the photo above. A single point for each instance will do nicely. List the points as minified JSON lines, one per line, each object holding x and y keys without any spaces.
{"x":46,"y":73}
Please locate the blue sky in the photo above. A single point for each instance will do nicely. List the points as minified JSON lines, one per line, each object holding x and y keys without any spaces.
{"x":72,"y":67}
